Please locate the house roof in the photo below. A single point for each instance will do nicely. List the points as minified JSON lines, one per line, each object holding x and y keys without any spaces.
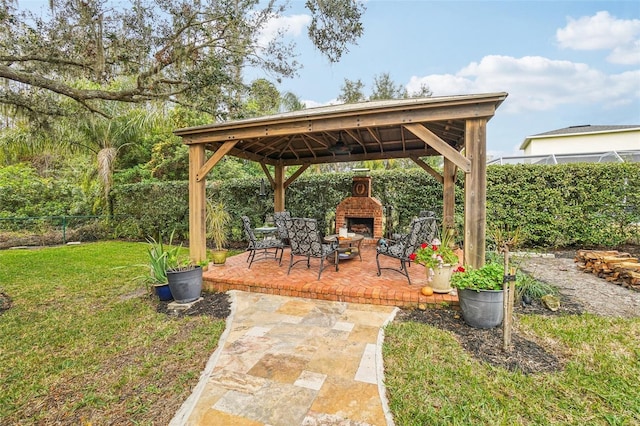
{"x":580,"y":130}
{"x":372,"y":130}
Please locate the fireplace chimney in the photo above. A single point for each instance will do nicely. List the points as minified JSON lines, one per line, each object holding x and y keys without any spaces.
{"x":361,"y":212}
{"x":361,"y":186}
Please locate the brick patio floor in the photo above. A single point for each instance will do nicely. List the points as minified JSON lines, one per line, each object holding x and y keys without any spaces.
{"x":355,"y":282}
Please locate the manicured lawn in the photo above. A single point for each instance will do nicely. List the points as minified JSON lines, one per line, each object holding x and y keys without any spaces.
{"x":431,"y":380}
{"x":82,"y":342}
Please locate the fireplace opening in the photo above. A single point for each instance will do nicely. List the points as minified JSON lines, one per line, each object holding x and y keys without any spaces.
{"x":361,"y":225}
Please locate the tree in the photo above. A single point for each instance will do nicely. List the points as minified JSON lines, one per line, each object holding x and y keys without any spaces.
{"x":385,"y":88}
{"x":423,"y":92}
{"x":187,"y":52}
{"x":105,"y":138}
{"x":334,"y":25}
{"x":264,"y":99}
{"x":351,"y":92}
{"x":291,"y":102}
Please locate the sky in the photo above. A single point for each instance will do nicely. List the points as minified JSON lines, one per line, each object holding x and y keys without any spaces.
{"x":563,"y":63}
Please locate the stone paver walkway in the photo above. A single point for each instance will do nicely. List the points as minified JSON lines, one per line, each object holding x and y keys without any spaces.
{"x":286,"y":361}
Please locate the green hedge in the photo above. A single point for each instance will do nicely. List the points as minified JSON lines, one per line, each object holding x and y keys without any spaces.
{"x":553,"y":206}
{"x":566,"y":205}
{"x":25,"y":193}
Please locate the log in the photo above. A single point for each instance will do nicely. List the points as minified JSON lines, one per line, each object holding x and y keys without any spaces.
{"x":612,"y":266}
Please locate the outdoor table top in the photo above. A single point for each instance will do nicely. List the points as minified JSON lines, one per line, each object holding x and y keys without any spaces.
{"x":349,"y":240}
{"x":265,"y":229}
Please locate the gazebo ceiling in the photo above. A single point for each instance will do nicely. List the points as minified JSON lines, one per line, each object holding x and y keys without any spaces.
{"x":372,"y":130}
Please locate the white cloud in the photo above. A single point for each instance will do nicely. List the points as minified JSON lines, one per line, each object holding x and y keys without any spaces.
{"x":292,"y":25}
{"x":626,"y":55}
{"x":314,"y":104}
{"x":603,"y":31}
{"x":535,"y":83}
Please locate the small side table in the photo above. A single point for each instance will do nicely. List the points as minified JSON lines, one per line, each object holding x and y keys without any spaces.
{"x":266,"y":231}
{"x":349,"y":247}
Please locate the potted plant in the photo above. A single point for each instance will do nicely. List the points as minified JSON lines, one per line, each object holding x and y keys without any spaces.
{"x":185,"y":278}
{"x":480,"y":294}
{"x":168,"y":268}
{"x":440,"y":260}
{"x":157,"y":277}
{"x":218,"y":221}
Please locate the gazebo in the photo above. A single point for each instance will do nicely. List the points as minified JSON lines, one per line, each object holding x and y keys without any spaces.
{"x":454,"y":127}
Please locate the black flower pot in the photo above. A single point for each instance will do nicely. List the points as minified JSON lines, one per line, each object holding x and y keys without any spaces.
{"x":185,"y":284}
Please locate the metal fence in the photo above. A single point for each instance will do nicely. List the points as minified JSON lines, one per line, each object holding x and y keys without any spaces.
{"x":51,"y":230}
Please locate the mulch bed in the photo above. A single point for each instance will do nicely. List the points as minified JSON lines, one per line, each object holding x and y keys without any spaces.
{"x":216,"y":305}
{"x":486,"y":344}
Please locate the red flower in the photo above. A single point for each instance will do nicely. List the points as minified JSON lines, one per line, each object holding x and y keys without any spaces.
{"x":434,"y":247}
{"x":412,"y":256}
{"x":424,"y":245}
{"x":459,"y":269}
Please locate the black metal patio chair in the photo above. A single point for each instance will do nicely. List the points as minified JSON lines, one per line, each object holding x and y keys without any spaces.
{"x":305,"y":240}
{"x":398,"y":236}
{"x":279,"y":219}
{"x":422,"y":229}
{"x":267,"y":248}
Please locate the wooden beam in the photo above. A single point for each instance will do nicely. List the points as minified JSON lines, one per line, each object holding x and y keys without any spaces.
{"x":342,"y":158}
{"x":427,"y":168}
{"x":449,"y":195}
{"x":475,"y":193}
{"x":266,"y":171}
{"x":295,"y":175}
{"x":279,"y":189}
{"x":439,"y":145}
{"x":334,"y":122}
{"x":197,"y":205}
{"x":215,"y":158}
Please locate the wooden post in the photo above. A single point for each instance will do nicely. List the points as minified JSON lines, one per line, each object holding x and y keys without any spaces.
{"x":506,"y":293}
{"x":449,"y":194}
{"x":512,"y":293}
{"x":475,"y":193}
{"x":197,"y":205}
{"x":278,"y":202}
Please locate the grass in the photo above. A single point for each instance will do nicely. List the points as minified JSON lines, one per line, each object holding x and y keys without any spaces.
{"x":431,"y":380}
{"x":82,"y":342}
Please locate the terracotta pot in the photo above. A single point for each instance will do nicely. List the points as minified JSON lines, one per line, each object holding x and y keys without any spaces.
{"x":439,"y":278}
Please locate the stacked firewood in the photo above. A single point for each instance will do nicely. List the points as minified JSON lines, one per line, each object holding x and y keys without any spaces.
{"x":612,"y":265}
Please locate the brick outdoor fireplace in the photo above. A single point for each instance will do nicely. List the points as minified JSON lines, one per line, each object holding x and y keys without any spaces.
{"x":361,"y":213}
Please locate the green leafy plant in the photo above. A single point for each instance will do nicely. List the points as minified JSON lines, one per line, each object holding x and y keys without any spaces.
{"x":528,"y":286}
{"x":218,"y":221}
{"x":158,"y":259}
{"x":437,"y":253}
{"x":163,"y":258}
{"x":488,"y":277}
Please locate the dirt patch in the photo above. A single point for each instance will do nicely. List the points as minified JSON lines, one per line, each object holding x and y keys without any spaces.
{"x":5,"y":302}
{"x":595,"y":295}
{"x":216,"y":305}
